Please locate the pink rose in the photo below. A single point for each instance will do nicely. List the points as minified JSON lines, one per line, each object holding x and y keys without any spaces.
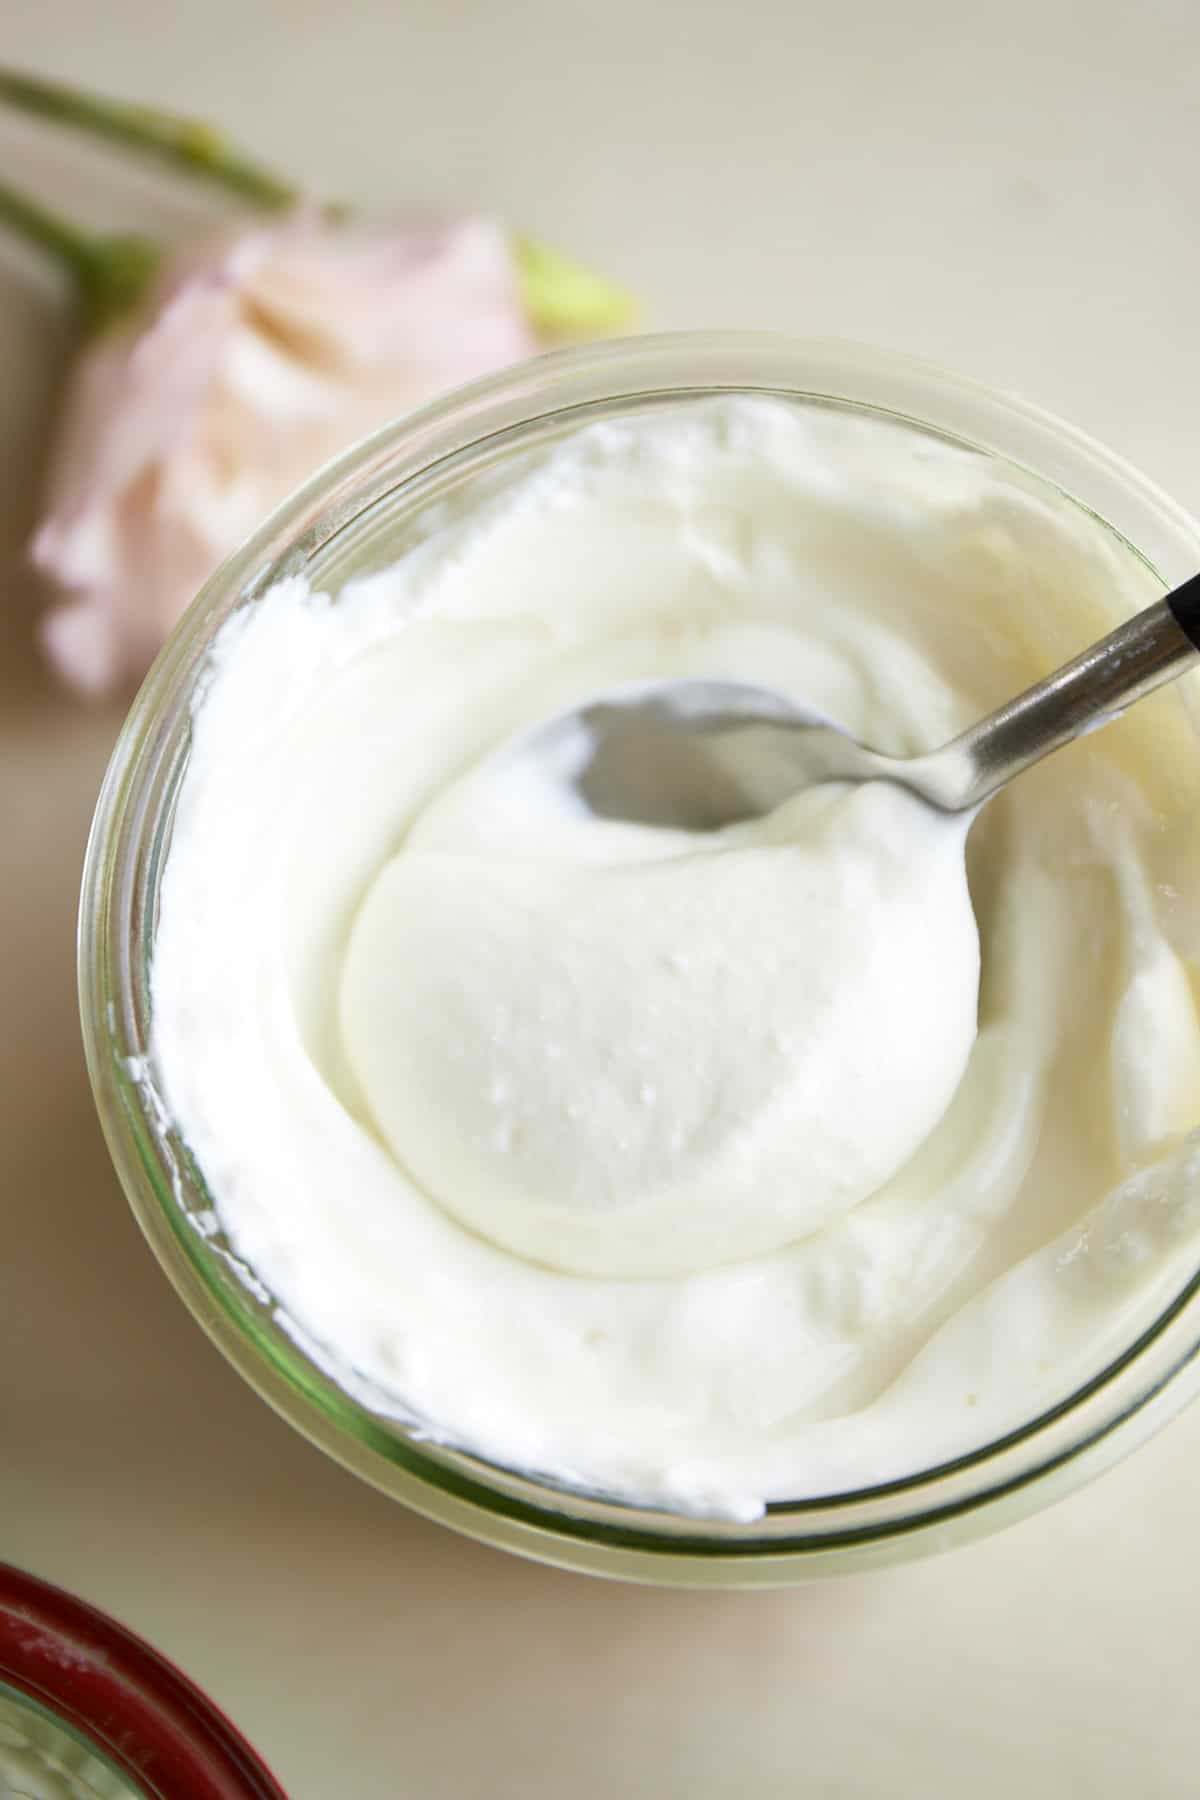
{"x":254,"y":358}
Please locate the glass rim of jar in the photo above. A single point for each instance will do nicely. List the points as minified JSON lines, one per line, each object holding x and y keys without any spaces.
{"x":490,"y":419}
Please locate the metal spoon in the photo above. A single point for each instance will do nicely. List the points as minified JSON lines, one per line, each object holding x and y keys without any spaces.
{"x":701,"y":754}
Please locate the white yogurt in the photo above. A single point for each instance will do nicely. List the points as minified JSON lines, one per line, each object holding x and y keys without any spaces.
{"x":684,"y":1058}
{"x":701,"y":1168}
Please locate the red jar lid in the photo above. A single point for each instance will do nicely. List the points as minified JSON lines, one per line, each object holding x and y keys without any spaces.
{"x":111,"y":1689}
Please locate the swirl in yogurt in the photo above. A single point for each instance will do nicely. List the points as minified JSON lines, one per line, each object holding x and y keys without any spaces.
{"x":701,"y":1168}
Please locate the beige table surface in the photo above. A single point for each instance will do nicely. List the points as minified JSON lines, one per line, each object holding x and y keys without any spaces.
{"x":1016,"y":197}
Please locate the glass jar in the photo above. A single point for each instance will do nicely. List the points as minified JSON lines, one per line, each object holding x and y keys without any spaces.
{"x":344,"y":521}
{"x":88,"y":1711}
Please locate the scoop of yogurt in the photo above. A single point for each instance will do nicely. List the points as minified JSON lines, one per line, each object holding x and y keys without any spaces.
{"x":700,"y":1169}
{"x":700,"y":1050}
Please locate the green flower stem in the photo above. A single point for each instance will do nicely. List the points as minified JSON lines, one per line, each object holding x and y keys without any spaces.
{"x":563,"y":299}
{"x":108,"y":274}
{"x":186,"y":144}
{"x":36,"y":224}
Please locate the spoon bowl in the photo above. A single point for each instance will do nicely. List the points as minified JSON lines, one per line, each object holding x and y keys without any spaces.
{"x":699,"y":754}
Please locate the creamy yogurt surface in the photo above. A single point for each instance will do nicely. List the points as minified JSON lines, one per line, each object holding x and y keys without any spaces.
{"x":702,"y":1169}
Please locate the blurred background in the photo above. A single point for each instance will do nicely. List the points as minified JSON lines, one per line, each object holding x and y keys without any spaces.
{"x":1011,"y":192}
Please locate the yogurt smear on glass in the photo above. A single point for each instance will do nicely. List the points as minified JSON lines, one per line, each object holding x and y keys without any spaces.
{"x":703,"y":1169}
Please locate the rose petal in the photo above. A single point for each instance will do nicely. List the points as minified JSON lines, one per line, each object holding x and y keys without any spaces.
{"x":256,"y":358}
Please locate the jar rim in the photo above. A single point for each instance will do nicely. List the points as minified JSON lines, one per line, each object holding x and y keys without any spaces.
{"x":977,"y":1491}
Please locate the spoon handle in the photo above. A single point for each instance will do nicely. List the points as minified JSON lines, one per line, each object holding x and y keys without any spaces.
{"x":1152,"y":648}
{"x":1184,"y":602}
